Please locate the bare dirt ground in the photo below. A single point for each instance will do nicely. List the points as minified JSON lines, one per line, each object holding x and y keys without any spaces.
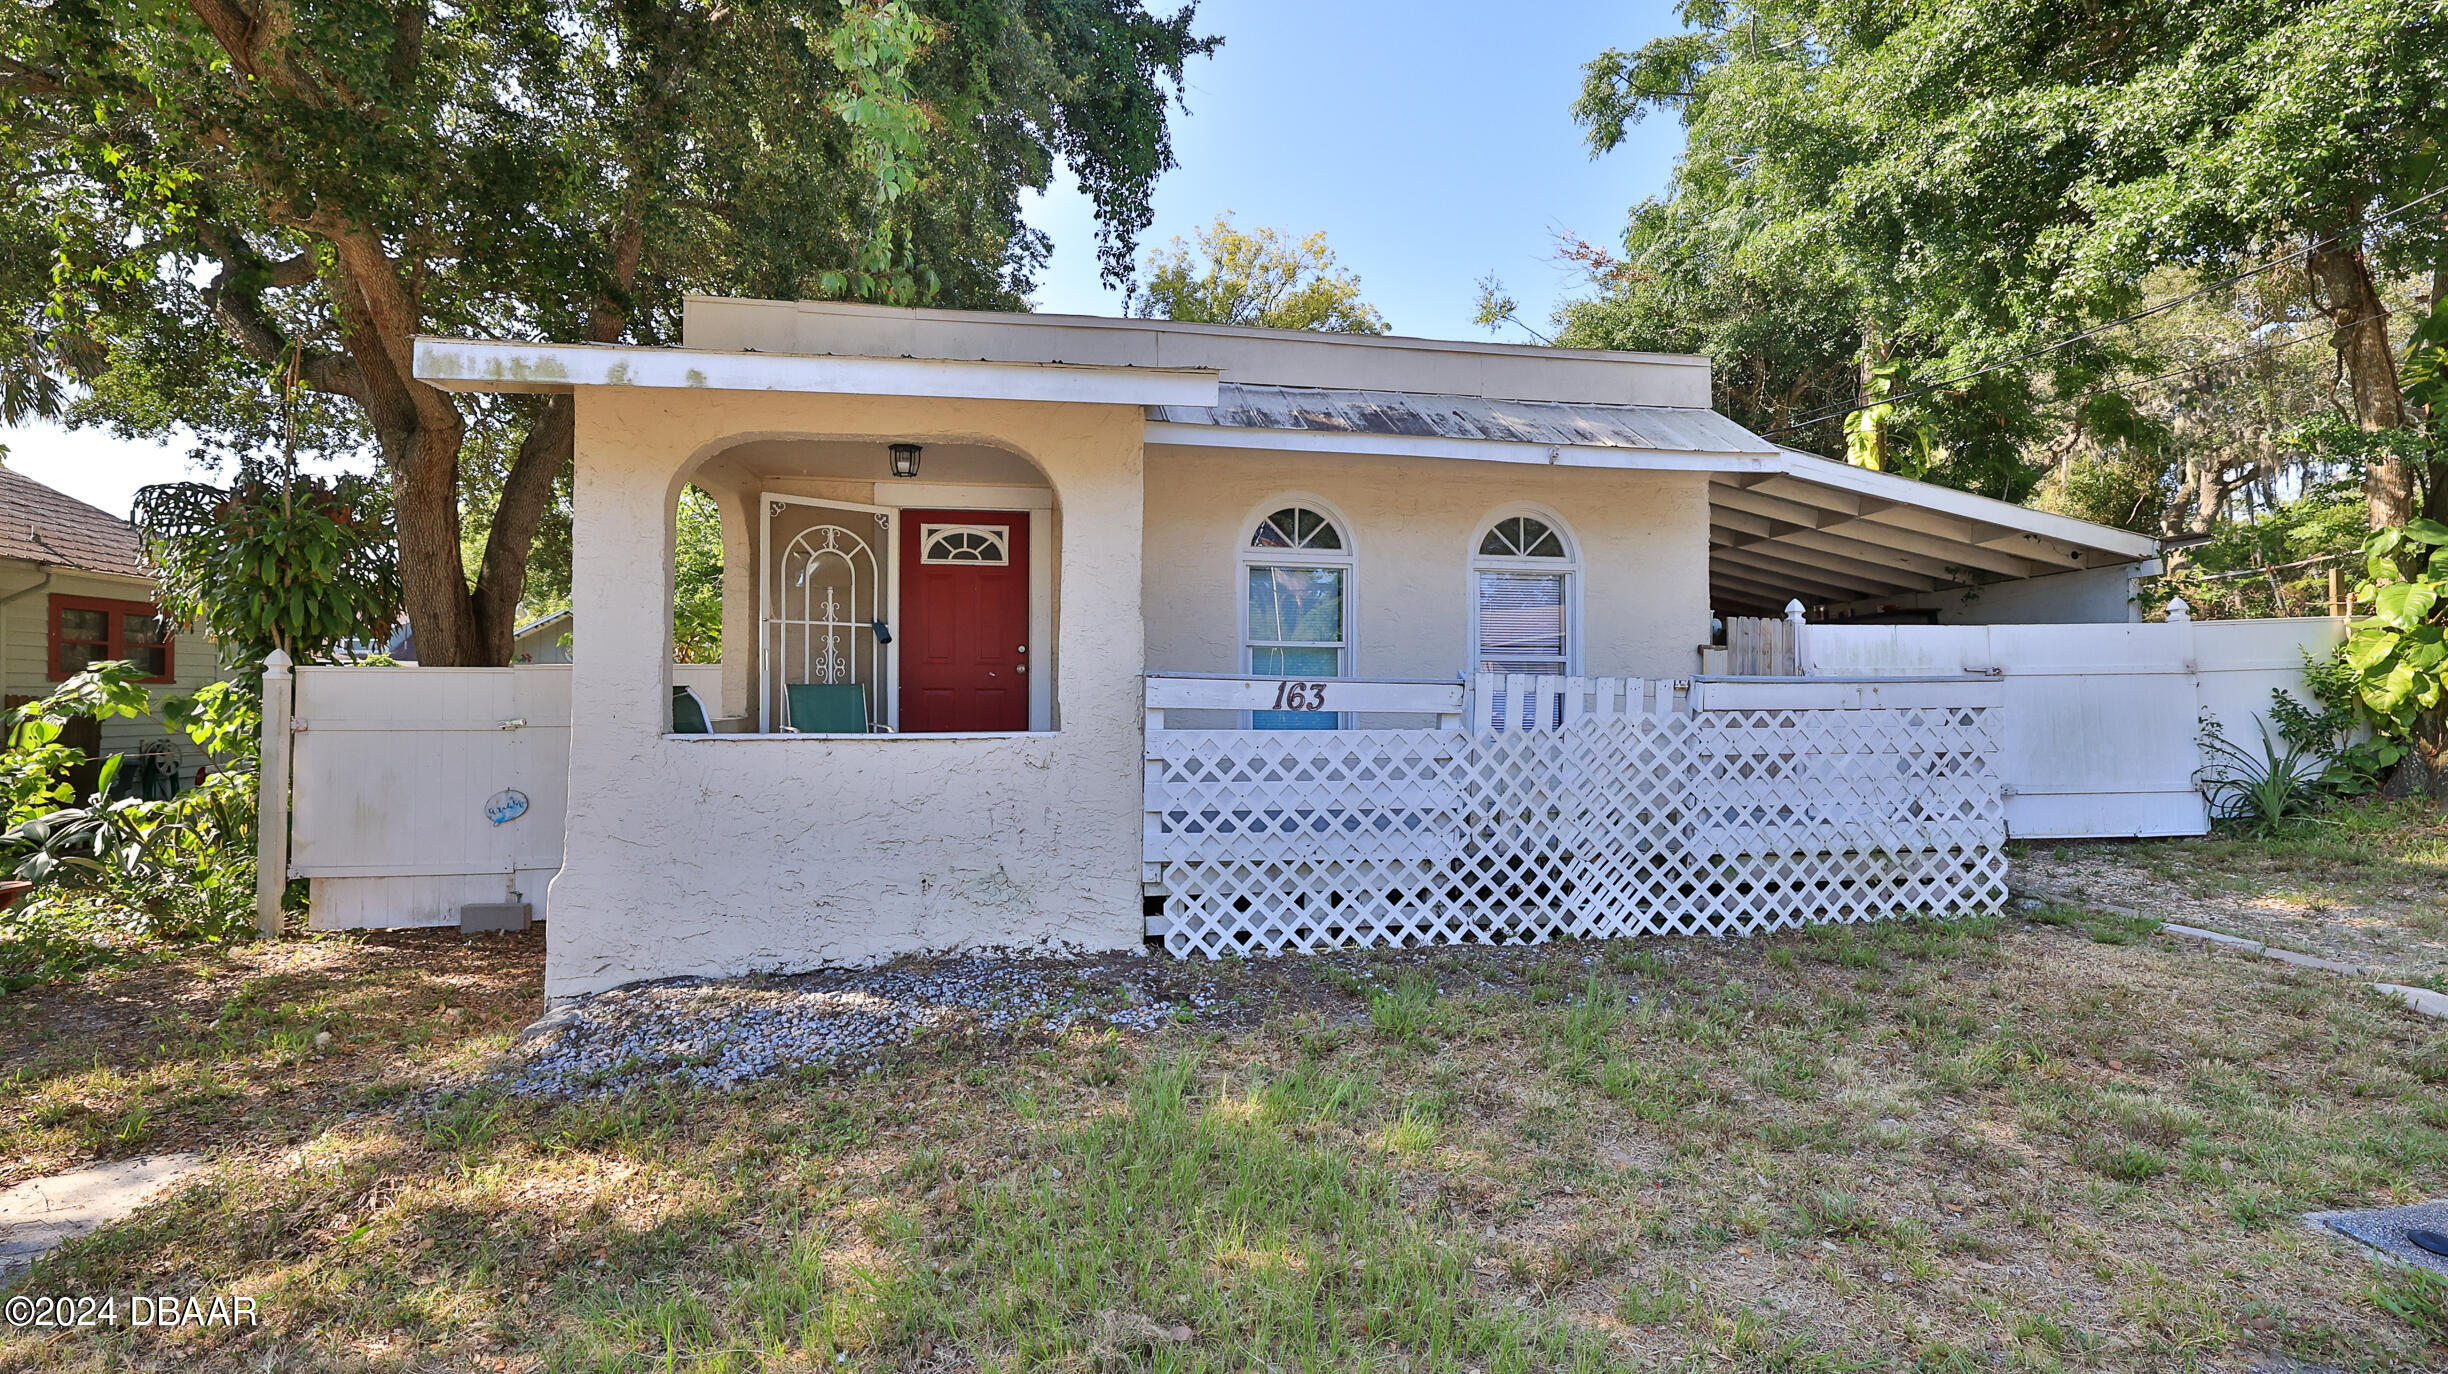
{"x":2368,"y":888}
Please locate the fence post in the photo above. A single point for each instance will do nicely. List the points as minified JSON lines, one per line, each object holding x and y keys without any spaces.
{"x":1794,"y":624}
{"x":272,"y":795}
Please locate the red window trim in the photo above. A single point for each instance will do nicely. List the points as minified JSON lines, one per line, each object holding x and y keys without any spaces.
{"x":117,"y":645}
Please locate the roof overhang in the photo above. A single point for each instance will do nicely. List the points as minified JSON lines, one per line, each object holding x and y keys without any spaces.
{"x":1410,"y":424}
{"x":496,"y":365}
{"x":1826,"y":533}
{"x":1784,"y":525}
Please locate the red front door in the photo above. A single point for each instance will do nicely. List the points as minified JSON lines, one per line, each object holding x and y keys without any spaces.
{"x":964,"y":620}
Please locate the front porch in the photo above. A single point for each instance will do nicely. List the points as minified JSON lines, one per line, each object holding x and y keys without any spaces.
{"x":1537,"y":808}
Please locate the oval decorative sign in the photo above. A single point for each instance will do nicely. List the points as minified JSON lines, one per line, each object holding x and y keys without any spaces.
{"x":506,"y":805}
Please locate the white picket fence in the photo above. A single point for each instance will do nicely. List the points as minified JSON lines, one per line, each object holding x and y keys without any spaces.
{"x":1576,"y":807}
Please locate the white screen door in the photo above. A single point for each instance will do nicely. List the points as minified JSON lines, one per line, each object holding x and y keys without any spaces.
{"x":827,"y":587}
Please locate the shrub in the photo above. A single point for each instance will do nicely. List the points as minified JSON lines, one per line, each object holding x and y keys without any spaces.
{"x":113,"y":872}
{"x":2330,"y":726}
{"x":34,"y":767}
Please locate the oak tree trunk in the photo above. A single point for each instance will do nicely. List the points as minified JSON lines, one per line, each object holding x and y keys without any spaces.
{"x":2342,"y":289}
{"x":2423,"y":772}
{"x":526,"y":495}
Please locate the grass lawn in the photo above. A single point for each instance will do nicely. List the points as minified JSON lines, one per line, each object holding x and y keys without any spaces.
{"x":2062,"y":1143}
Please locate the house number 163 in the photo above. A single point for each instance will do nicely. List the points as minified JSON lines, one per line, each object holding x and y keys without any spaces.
{"x":1300,"y":696}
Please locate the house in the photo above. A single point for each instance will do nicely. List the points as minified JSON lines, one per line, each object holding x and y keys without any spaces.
{"x":545,"y":639}
{"x":74,"y":591}
{"x":1025,"y":546}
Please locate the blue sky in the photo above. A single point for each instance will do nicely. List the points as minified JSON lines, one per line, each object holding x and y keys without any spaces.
{"x":1433,"y":142}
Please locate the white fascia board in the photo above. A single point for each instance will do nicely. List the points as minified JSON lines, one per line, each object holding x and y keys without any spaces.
{"x":496,"y":365}
{"x":1888,"y":486}
{"x":1179,"y":435}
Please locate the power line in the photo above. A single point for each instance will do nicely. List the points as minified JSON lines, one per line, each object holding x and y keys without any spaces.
{"x":2207,"y":363}
{"x":2119,"y":323}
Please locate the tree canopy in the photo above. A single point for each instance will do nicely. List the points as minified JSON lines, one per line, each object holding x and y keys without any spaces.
{"x":206,"y":208}
{"x":1891,"y":221}
{"x":1261,"y":277}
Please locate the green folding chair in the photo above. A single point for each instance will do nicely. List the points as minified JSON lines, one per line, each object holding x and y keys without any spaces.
{"x":689,"y":715}
{"x":831,"y":708}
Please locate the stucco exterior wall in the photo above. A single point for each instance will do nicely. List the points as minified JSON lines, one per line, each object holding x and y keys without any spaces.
{"x":719,"y":855}
{"x":1643,"y":540}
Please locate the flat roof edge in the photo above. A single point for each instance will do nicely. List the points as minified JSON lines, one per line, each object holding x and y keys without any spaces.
{"x":511,"y":366}
{"x":1238,"y":331}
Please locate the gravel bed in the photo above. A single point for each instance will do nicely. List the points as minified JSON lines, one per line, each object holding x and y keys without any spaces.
{"x":720,"y":1033}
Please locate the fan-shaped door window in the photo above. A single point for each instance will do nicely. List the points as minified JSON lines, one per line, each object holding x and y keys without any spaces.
{"x":982,"y":544}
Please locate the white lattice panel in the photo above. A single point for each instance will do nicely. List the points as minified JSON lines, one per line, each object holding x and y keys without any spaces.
{"x":1632,"y":816}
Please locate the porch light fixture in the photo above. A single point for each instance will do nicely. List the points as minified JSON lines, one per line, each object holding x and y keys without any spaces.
{"x":905,"y":460}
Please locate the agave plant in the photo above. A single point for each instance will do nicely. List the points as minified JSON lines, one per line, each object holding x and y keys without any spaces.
{"x":2262,"y":795}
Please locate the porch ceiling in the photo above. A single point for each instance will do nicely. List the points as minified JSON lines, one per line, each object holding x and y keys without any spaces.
{"x":1823,"y":532}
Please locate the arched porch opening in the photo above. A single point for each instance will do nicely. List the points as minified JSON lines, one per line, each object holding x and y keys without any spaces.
{"x":889,"y":585}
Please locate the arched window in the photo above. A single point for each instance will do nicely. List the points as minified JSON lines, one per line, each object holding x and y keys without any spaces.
{"x":1296,"y":575}
{"x":1522,"y":601}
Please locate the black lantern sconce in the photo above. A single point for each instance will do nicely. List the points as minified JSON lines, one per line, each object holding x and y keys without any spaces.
{"x":905,"y":460}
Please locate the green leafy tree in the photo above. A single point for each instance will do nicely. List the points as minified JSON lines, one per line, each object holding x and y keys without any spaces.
{"x":2208,"y":423}
{"x":34,"y":766}
{"x":304,"y":565}
{"x":207,"y":206}
{"x":1952,"y":183}
{"x":177,"y":867}
{"x":697,"y":578}
{"x":2399,"y":655}
{"x":1261,"y":278}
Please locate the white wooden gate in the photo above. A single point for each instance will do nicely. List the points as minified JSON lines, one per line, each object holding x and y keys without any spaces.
{"x":1622,"y":811}
{"x":2100,"y":720}
{"x":392,"y":771}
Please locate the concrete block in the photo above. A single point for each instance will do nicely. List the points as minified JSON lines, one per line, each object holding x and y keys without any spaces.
{"x":479,"y":917}
{"x":2216,"y":936}
{"x":2424,"y":1000}
{"x":2385,"y":1230}
{"x":2288,"y":956}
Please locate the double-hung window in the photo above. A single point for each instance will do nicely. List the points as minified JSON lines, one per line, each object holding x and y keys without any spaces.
{"x":1296,"y":574}
{"x":1522,"y":600}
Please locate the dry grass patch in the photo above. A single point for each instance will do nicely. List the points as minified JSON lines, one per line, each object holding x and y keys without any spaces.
{"x":252,"y":1045}
{"x":2367,"y":883}
{"x":1968,"y":1147}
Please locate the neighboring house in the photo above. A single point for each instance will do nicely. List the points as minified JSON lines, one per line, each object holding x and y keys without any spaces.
{"x":1020,"y":541}
{"x":546,"y":639}
{"x":74,"y":591}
